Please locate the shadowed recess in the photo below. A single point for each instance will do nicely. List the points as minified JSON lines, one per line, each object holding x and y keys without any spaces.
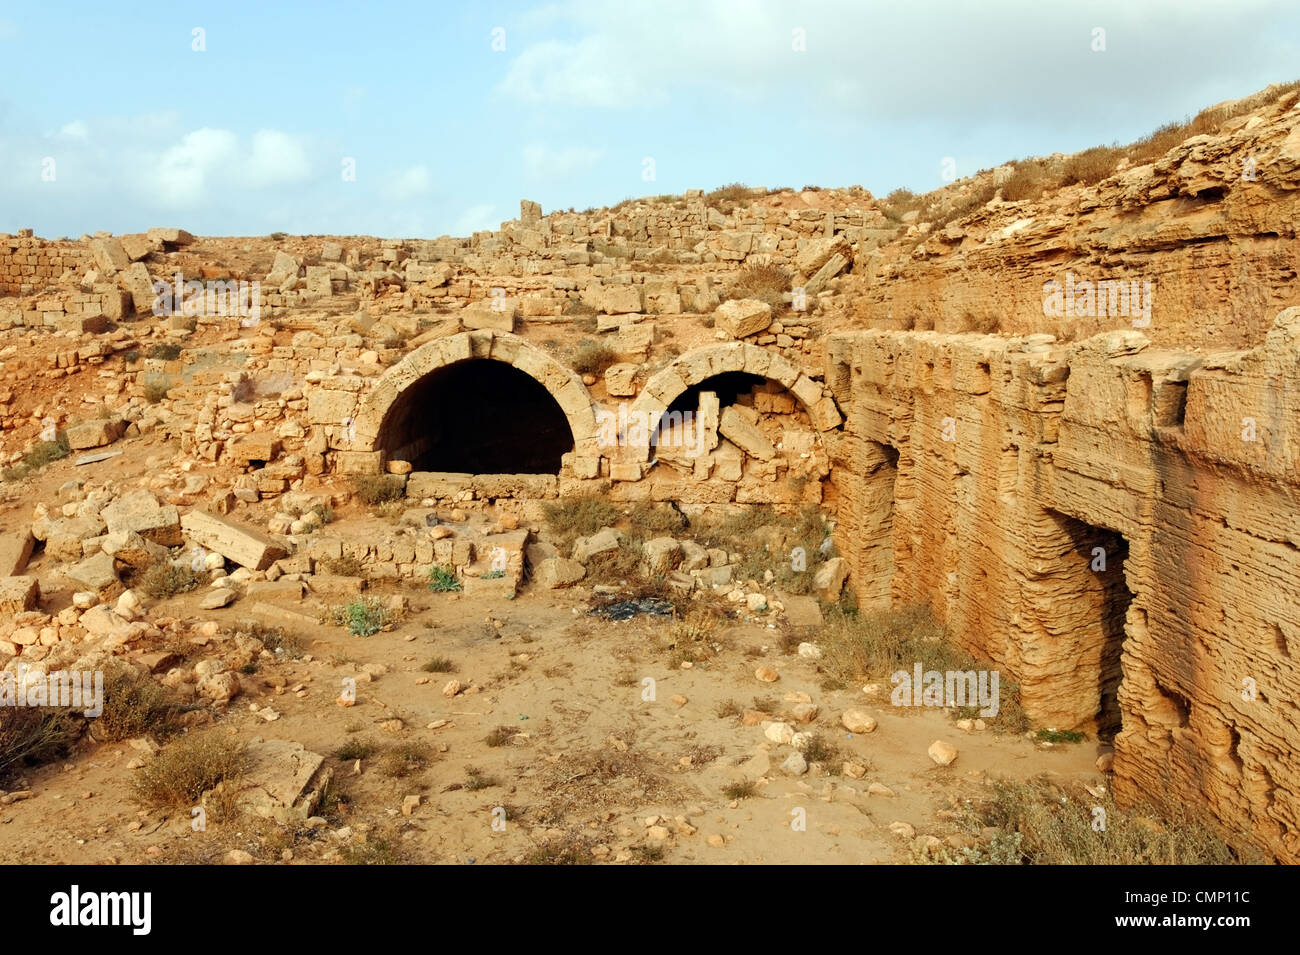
{"x":479,"y":417}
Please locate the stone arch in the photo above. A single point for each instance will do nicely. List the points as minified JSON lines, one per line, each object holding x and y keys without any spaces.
{"x":700,"y":363}
{"x":564,"y":385}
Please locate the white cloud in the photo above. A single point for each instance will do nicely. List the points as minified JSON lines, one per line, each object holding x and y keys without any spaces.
{"x":277,"y":158}
{"x":207,"y":160}
{"x":543,"y":162}
{"x":407,"y":184}
{"x":952,"y":62}
{"x":77,"y":129}
{"x":183,"y":172}
{"x":475,"y":219}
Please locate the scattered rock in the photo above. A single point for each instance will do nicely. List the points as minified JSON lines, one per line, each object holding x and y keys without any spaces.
{"x":857,"y":721}
{"x":942,"y":753}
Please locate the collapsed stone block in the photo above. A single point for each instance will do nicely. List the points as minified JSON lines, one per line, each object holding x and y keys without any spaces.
{"x":241,"y":545}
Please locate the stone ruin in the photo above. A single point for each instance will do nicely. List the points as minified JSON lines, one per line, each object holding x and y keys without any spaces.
{"x":1110,"y":516}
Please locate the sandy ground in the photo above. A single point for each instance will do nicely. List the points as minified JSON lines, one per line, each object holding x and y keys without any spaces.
{"x":588,"y":761}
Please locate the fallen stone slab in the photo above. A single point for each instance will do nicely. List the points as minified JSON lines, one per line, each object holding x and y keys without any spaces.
{"x":284,"y":617}
{"x":18,"y":594}
{"x":218,"y":598}
{"x":133,"y":549}
{"x":15,"y":551}
{"x":281,"y":775}
{"x":96,"y":457}
{"x":801,"y":611}
{"x":743,"y":317}
{"x":97,"y":572}
{"x":140,"y":511}
{"x":64,"y":536}
{"x":242,"y":545}
{"x":95,"y":433}
{"x":554,"y":572}
{"x":737,"y":429}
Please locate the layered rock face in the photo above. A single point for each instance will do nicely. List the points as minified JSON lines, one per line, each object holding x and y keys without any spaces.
{"x":1114,"y":524}
{"x":1211,"y":226}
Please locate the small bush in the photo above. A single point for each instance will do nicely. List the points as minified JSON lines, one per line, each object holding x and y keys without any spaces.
{"x":439,"y":665}
{"x":363,"y":617}
{"x":354,"y":749}
{"x":1059,"y":736}
{"x":693,"y":639}
{"x":131,"y":356}
{"x":766,"y":283}
{"x":343,"y":566}
{"x":156,"y":388}
{"x":592,"y":358}
{"x":167,"y":579}
{"x":477,"y":780}
{"x":579,"y":516}
{"x":443,"y":580}
{"x":650,"y":519}
{"x":728,"y":709}
{"x":32,"y":735}
{"x":165,"y":352}
{"x":376,"y":489}
{"x":1041,"y":825}
{"x":726,"y":198}
{"x":1028,"y":180}
{"x":404,"y":759}
{"x":188,"y":767}
{"x":500,"y":736}
{"x":1091,"y":166}
{"x":133,"y":706}
{"x":740,"y":790}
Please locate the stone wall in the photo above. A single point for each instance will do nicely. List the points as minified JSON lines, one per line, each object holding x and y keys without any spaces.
{"x":1042,"y":494}
{"x":28,"y":264}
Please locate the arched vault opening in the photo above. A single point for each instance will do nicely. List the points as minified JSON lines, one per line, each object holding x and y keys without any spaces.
{"x":479,"y":417}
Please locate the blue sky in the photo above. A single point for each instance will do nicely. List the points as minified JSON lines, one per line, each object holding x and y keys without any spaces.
{"x":111,"y":119}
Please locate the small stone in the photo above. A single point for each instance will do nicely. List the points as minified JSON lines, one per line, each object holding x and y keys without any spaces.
{"x":716,"y":841}
{"x":965,"y":725}
{"x":679,"y":700}
{"x":766,"y":675}
{"x":795,"y":765}
{"x":409,"y":804}
{"x":810,"y":651}
{"x":221,"y":597}
{"x":452,"y":688}
{"x":804,"y":712}
{"x":239,"y":857}
{"x":857,"y":721}
{"x":942,"y":753}
{"x":853,"y":770}
{"x":1105,"y":762}
{"x":879,"y":789}
{"x":903,"y":829}
{"x":658,"y":834}
{"x":780,"y":733}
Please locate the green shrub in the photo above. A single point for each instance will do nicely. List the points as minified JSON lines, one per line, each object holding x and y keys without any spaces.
{"x":166,"y":352}
{"x":363,"y":617}
{"x":443,"y":580}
